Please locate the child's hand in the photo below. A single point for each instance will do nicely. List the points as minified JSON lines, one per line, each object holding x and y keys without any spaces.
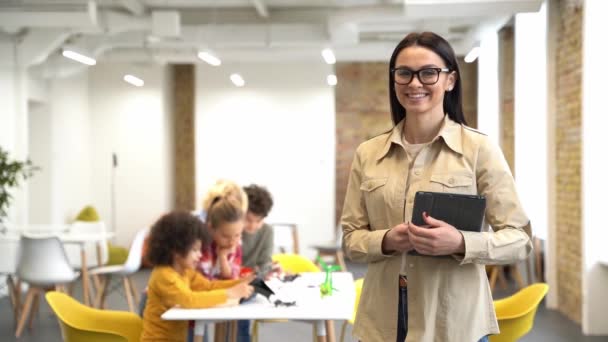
{"x":223,"y":252}
{"x":248,"y":279}
{"x":242,"y":290}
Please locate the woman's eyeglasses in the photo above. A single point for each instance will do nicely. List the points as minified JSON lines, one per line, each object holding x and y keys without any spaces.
{"x":426,"y":76}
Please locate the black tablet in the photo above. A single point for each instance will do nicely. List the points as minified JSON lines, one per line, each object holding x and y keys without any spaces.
{"x":465,"y":212}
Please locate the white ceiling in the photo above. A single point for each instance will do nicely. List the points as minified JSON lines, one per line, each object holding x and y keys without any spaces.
{"x":242,"y":30}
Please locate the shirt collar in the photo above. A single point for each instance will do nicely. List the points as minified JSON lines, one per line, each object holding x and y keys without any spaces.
{"x":450,"y":133}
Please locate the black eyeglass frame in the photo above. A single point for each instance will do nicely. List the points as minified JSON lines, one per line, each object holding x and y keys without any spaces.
{"x":417,"y":74}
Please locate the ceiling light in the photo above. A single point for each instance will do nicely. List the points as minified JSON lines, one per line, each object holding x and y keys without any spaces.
{"x":328,"y":56}
{"x":209,"y":58}
{"x":332,"y":80}
{"x":472,"y":55}
{"x":136,"y":81}
{"x":237,"y":80}
{"x":71,"y":54}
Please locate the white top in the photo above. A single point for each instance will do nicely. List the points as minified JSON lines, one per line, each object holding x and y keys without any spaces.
{"x":304,"y":290}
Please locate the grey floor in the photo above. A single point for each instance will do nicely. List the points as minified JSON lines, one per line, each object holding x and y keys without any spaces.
{"x":549,"y":325}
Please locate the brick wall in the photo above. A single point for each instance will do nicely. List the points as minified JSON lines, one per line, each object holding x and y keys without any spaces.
{"x":506,"y":72}
{"x":363,"y":111}
{"x":568,"y":157}
{"x":182,"y":110}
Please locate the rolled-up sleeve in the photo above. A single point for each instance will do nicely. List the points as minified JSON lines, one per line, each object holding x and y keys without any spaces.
{"x":360,"y":243}
{"x":510,"y":240}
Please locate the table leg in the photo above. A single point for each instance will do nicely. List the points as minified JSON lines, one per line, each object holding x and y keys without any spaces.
{"x":96,"y":280}
{"x":219,"y":334}
{"x":331,"y":331}
{"x":85,"y":276}
{"x":321,"y":333}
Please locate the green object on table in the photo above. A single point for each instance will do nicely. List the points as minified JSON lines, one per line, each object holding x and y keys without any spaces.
{"x":327,"y":288}
{"x":116,"y":255}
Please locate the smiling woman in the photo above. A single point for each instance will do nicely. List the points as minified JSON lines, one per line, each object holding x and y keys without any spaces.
{"x":428,"y":149}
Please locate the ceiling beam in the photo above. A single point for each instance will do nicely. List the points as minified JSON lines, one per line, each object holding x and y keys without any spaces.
{"x":135,"y":7}
{"x":261,"y":8}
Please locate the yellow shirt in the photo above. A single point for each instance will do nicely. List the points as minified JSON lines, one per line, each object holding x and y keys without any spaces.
{"x":449,"y":299}
{"x":166,"y":289}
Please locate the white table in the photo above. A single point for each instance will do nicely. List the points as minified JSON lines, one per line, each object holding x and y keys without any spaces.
{"x":310,"y":306}
{"x":80,"y":239}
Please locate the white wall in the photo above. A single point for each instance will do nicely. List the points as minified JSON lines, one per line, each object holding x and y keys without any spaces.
{"x":133,"y":123}
{"x":70,"y":148}
{"x":487,"y":85}
{"x":531,"y":117}
{"x":39,"y":197}
{"x":595,"y":187}
{"x":277,"y":131}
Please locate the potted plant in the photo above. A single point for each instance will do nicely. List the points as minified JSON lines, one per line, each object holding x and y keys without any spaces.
{"x":12,"y":172}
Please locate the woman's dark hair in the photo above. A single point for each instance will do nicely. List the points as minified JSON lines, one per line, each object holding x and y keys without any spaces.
{"x":452,"y":101}
{"x":260,"y":200}
{"x":175,"y":232}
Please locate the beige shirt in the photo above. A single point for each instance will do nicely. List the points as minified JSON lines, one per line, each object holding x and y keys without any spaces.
{"x":449,"y":299}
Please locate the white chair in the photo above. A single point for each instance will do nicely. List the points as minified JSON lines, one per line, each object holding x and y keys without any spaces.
{"x":131,"y":266}
{"x":42,"y":264}
{"x":285,"y":238}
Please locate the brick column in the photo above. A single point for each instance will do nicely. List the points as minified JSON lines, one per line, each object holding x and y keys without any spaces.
{"x":182,"y":107}
{"x":568,"y":90}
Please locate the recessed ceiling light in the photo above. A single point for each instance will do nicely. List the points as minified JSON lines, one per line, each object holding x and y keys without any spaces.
{"x":134,"y":80}
{"x":328,"y":56}
{"x":73,"y":55}
{"x":332,"y":80}
{"x":237,"y":80}
{"x":209,"y":58}
{"x":472,"y":55}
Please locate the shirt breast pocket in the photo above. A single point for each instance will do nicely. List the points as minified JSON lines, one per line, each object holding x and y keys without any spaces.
{"x":374,"y":196}
{"x":452,"y":183}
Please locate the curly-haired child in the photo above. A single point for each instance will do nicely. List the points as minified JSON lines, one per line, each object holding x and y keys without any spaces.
{"x":174,"y":250}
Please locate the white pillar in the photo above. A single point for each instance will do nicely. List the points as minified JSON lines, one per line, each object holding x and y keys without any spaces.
{"x":594,"y":185}
{"x":13,"y":120}
{"x":487,"y":98}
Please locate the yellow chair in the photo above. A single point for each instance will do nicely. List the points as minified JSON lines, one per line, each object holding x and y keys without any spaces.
{"x":351,"y":321}
{"x":516,"y":313}
{"x":294,"y":263}
{"x":82,"y":323}
{"x":291,"y":263}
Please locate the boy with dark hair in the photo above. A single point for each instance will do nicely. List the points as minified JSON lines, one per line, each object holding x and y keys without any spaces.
{"x":258,"y":237}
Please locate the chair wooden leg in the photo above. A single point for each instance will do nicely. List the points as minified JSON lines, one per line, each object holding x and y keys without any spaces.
{"x":134,"y":290}
{"x":34,"y":311}
{"x":25,"y":312}
{"x":340,"y":260}
{"x":71,"y":288}
{"x":255,"y":331}
{"x":233,"y":331}
{"x":515,"y":273}
{"x":330,"y":330}
{"x":493,"y":276}
{"x":343,"y":331}
{"x":103,"y":292}
{"x":125,"y":281}
{"x":12,"y":291}
{"x":219,"y":334}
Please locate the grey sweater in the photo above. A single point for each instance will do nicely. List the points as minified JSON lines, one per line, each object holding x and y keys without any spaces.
{"x":257,"y":248}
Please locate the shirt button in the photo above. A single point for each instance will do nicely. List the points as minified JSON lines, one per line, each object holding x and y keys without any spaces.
{"x":451,"y":180}
{"x":417,"y":173}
